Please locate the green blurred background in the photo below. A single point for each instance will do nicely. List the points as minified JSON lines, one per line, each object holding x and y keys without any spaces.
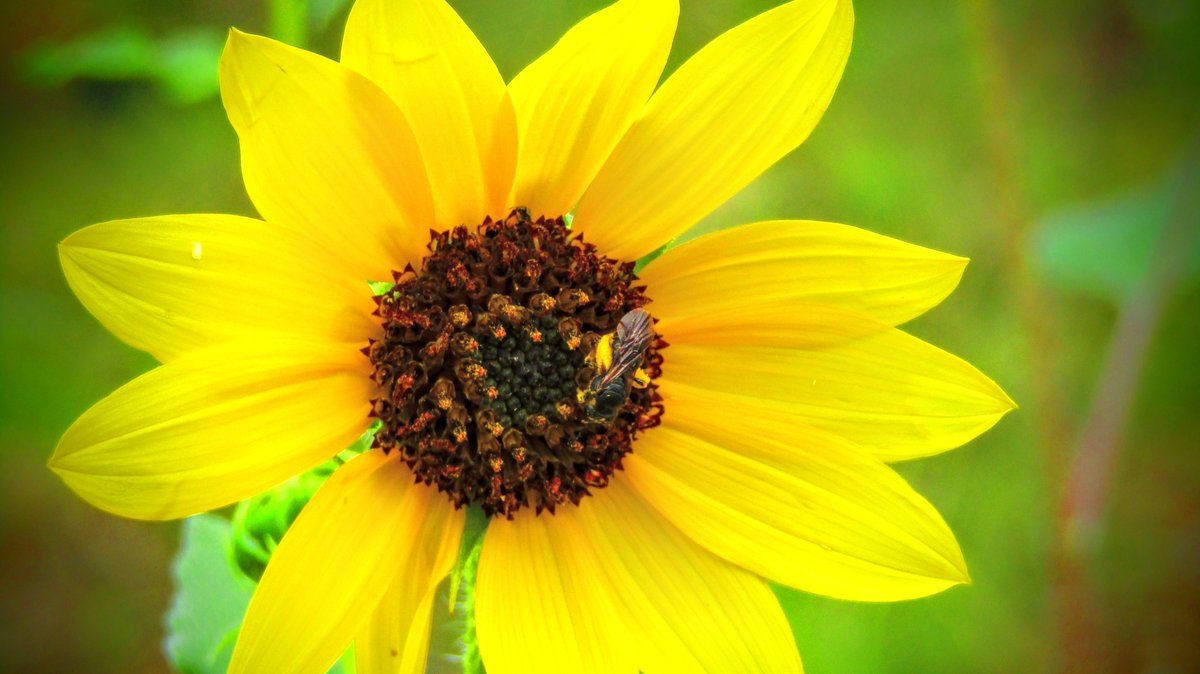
{"x":1046,"y":141}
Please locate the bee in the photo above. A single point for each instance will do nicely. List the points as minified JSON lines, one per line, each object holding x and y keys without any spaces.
{"x":618,"y":360}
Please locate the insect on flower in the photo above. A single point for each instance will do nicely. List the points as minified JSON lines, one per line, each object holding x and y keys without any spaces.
{"x":618,"y":359}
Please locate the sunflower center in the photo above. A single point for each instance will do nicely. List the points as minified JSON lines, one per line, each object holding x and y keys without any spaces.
{"x":516,"y":366}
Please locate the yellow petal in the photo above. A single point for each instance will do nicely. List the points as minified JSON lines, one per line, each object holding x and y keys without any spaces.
{"x":790,"y":324}
{"x":575,"y":102}
{"x":215,"y":426}
{"x":682,"y":608}
{"x":891,"y":393}
{"x":801,"y":261}
{"x":333,"y":566}
{"x":326,"y":152}
{"x":423,"y":55}
{"x":396,"y":638}
{"x":734,"y":109}
{"x":536,"y":608}
{"x":815,"y":513}
{"x":173,"y":284}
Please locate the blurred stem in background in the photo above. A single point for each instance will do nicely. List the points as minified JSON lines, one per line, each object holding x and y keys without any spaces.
{"x":1085,"y":494}
{"x":1090,"y":472}
{"x":997,"y":94}
{"x":1085,"y":470}
{"x":996,"y":91}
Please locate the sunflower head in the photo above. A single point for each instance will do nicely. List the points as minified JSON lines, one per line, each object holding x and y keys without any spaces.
{"x":515,"y":361}
{"x":487,"y":362}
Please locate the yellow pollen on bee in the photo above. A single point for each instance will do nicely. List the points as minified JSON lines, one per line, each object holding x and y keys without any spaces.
{"x":641,"y":379}
{"x":604,"y":352}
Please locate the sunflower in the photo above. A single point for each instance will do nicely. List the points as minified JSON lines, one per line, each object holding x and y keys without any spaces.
{"x":651,"y":446}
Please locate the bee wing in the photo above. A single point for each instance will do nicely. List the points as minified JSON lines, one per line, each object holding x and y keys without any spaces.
{"x":635,"y":328}
{"x":634,"y":333}
{"x":624,"y":362}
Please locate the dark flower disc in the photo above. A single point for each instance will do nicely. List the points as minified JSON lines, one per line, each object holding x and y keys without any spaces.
{"x":485,"y":350}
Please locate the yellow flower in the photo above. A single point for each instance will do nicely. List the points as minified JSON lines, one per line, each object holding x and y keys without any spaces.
{"x":778,"y":383}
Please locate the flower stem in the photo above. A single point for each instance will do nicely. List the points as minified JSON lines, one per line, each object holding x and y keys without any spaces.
{"x":1084,"y":500}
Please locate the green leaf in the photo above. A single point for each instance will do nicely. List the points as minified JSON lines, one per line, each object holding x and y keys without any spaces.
{"x":468,"y":547}
{"x":322,"y":12}
{"x":453,"y":648}
{"x":186,"y":66}
{"x":210,"y":598}
{"x":260,"y":521}
{"x":345,"y":664}
{"x":210,"y":601}
{"x":183,"y":64}
{"x":381,"y":287}
{"x":472,"y":661}
{"x":1108,"y":247}
{"x":652,"y":255}
{"x":121,"y":52}
{"x":362,"y":444}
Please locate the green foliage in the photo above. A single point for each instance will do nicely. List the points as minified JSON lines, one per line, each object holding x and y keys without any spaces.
{"x":210,"y":598}
{"x":289,"y":21}
{"x":260,"y":522}
{"x":258,"y":526}
{"x":182,"y":64}
{"x":380,"y":287}
{"x":1108,"y":248}
{"x":321,"y":13}
{"x":468,"y":548}
{"x":453,"y":648}
{"x":652,"y":255}
{"x":219,"y":563}
{"x":472,"y":662}
{"x":462,"y":589}
{"x":295,"y":21}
